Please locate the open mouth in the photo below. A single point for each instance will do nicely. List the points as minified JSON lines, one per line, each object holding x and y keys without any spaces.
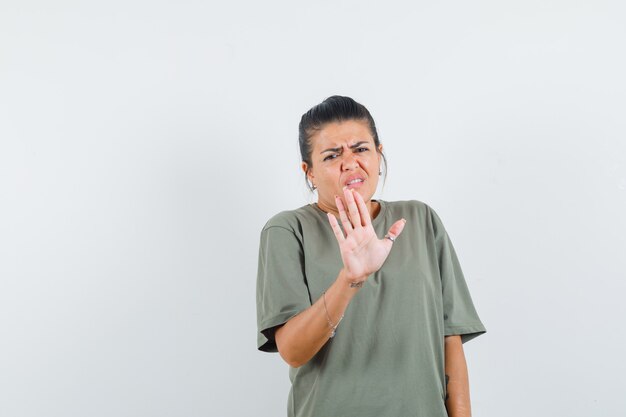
{"x":355,"y":183}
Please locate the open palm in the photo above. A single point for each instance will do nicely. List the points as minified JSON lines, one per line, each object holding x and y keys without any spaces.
{"x":362,"y":252}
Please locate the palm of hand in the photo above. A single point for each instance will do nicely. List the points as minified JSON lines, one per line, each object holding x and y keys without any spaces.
{"x":362,"y":252}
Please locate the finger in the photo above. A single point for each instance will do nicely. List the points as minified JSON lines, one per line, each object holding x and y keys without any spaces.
{"x":347,"y":226}
{"x":363,"y":211}
{"x":336,"y":229}
{"x":396,"y":228}
{"x":352,"y":208}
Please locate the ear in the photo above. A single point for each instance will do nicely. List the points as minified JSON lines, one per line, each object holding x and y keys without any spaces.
{"x":380,"y":148}
{"x":307,"y":171}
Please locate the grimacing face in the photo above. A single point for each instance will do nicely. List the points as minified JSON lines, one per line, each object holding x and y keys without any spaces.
{"x":343,"y":154}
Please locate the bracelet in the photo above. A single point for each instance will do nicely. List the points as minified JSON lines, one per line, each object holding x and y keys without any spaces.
{"x":330,"y":323}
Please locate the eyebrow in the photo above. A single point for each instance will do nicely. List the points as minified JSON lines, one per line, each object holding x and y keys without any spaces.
{"x":356,"y":145}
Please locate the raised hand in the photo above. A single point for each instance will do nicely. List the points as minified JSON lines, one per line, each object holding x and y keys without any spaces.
{"x":362,"y":252}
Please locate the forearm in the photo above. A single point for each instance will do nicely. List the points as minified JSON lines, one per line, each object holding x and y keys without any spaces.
{"x":458,"y":398}
{"x":303,"y":335}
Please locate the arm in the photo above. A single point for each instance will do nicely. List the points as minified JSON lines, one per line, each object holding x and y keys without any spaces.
{"x":457,"y":380}
{"x":303,"y":335}
{"x":362,"y":254}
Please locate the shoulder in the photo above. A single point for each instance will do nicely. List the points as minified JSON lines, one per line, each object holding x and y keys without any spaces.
{"x":290,"y":220}
{"x":416,"y":212}
{"x":409,"y":207}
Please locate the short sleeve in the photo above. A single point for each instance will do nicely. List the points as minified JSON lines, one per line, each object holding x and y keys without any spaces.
{"x":460,"y":316}
{"x":282,"y":291}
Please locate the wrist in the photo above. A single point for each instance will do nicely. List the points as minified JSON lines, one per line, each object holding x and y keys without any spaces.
{"x":350,"y":280}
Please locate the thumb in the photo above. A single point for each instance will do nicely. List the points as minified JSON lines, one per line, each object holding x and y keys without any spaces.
{"x":396,"y":228}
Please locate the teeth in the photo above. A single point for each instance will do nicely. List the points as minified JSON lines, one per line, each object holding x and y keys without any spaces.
{"x":355,"y":181}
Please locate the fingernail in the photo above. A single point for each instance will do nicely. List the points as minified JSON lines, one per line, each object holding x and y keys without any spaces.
{"x":404,"y":220}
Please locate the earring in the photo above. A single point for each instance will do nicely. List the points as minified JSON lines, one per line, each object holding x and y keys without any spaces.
{"x":380,"y":173}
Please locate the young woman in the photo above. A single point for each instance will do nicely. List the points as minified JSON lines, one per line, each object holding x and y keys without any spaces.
{"x":364,"y":299}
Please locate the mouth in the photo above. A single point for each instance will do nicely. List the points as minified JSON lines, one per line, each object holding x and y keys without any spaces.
{"x":354,"y":183}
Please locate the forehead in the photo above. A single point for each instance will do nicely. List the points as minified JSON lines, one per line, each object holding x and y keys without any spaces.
{"x":337,"y":134}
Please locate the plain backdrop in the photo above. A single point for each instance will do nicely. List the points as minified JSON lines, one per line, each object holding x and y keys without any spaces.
{"x":143,"y":145}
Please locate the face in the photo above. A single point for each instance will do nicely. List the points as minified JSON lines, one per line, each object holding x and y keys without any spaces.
{"x":343,"y":154}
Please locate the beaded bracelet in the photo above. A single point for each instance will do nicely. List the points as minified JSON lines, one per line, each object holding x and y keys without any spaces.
{"x":330,"y":323}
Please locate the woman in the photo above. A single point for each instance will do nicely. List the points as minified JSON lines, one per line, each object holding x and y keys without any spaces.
{"x":369,"y":326}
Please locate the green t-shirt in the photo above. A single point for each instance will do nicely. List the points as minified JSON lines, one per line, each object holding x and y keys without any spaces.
{"x":387,"y":357}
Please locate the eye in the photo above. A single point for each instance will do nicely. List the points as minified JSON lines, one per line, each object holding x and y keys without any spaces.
{"x":331,"y":156}
{"x":362,"y":149}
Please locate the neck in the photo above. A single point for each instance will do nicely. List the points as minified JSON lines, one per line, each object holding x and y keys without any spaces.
{"x":373,"y":207}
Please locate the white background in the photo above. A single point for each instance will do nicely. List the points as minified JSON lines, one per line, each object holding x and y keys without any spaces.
{"x":143,"y":145}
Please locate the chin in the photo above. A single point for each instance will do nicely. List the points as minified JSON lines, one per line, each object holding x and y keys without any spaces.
{"x":366,"y":194}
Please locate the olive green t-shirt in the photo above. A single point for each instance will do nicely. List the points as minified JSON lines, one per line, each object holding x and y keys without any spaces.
{"x":387,"y":357}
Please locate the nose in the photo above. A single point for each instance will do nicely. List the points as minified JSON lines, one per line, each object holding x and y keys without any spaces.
{"x":349,"y":162}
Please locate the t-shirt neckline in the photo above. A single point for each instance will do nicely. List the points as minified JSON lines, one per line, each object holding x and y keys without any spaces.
{"x":375,"y":220}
